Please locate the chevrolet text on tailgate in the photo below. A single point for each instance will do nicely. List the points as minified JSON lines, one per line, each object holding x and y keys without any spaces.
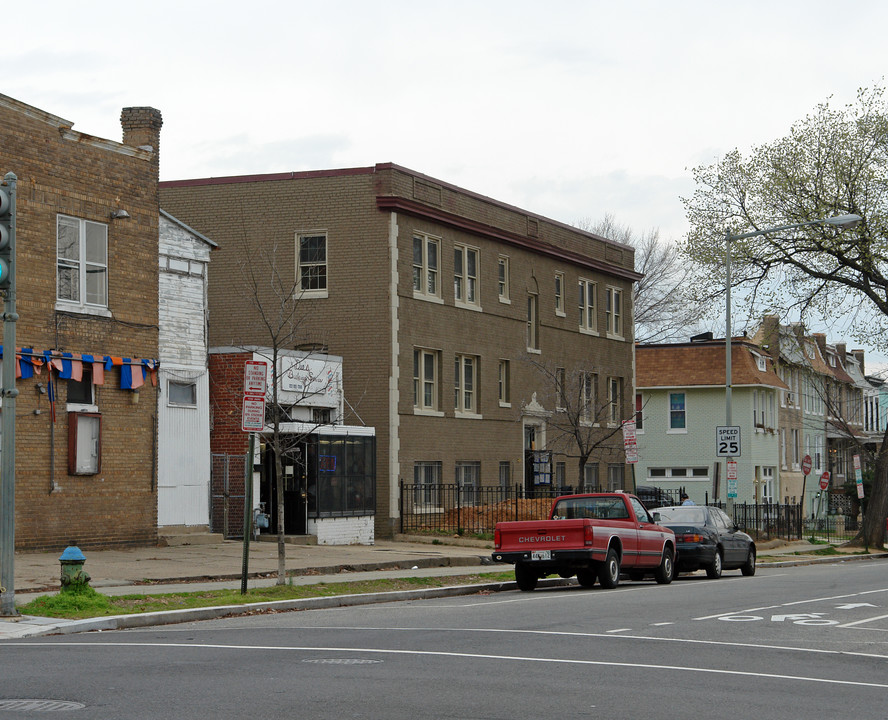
{"x":591,"y":536}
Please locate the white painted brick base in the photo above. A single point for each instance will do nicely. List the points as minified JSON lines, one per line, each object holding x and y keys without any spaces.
{"x":343,"y":531}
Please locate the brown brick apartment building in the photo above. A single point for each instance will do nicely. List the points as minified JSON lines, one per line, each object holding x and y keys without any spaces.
{"x":87,"y":285}
{"x":445,"y":306}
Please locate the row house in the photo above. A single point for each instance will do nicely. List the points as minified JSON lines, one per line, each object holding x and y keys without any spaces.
{"x":680,"y":400}
{"x":87,"y":335}
{"x":823,"y":413}
{"x":460,"y":320}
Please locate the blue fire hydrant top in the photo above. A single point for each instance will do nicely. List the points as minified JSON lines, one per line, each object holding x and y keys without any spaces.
{"x":72,"y":554}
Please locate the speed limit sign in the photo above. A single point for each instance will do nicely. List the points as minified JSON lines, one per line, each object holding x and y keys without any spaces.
{"x":727,"y":441}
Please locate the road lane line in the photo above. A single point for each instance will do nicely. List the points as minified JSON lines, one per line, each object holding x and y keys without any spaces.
{"x":464,"y":656}
{"x":863,"y":622}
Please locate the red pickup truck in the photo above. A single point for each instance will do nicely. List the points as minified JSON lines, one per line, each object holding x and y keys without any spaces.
{"x":591,"y":536}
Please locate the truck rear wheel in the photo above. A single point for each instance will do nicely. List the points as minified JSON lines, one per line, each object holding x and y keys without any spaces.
{"x":586,"y":577}
{"x":525,"y":577}
{"x":609,"y":572}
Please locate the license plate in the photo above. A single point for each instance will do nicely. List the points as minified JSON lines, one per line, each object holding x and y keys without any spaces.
{"x":540,"y":554}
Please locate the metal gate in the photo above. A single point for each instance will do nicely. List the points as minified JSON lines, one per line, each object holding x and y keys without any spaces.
{"x":227,"y":495}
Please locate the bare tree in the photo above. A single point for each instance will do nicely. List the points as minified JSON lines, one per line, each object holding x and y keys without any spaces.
{"x":587,"y":418}
{"x":663,"y":310}
{"x":274,"y":296}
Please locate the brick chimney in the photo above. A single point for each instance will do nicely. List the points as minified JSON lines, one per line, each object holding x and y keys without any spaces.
{"x":769,"y":335}
{"x":141,"y":129}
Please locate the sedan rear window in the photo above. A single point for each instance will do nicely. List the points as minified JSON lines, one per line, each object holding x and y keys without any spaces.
{"x":687,"y":515}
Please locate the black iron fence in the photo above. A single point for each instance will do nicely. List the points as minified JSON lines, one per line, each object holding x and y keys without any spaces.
{"x":767,"y":521}
{"x":471,"y":510}
{"x":476,"y":510}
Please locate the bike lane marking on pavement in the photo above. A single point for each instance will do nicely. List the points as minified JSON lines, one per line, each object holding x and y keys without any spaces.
{"x":789,"y":604}
{"x":464,"y":656}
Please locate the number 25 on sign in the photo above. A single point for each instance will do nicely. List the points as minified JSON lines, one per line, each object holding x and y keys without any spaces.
{"x":727,"y":441}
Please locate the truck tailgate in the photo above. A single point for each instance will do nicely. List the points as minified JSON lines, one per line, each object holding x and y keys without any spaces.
{"x":527,"y":535}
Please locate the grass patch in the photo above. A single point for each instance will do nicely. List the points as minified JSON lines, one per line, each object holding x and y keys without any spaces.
{"x":87,"y":603}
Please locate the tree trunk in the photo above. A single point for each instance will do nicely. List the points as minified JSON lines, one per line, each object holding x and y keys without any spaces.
{"x":873,"y":532}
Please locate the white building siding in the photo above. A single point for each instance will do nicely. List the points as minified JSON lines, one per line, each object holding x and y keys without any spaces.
{"x":183,"y":428}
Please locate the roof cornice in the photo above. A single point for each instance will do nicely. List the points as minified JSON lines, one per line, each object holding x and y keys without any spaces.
{"x":394,"y":203}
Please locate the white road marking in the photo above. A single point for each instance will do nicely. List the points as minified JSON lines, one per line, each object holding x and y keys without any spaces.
{"x":619,"y":630}
{"x":863,"y":622}
{"x":469,"y":656}
{"x":790,"y":604}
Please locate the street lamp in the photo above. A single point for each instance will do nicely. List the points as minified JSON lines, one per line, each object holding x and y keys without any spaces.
{"x":841,"y":221}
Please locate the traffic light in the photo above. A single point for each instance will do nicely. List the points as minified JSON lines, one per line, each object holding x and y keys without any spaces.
{"x":7,"y":232}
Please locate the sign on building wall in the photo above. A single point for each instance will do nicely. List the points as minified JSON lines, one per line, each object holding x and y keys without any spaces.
{"x":307,"y":376}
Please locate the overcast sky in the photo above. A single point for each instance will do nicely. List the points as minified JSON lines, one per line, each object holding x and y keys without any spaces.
{"x":568,"y":109}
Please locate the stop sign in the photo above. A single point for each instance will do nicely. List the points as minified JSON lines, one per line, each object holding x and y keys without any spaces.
{"x":806,"y":464}
{"x":824,"y":480}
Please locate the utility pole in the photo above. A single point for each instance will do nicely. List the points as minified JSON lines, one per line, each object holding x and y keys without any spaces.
{"x":9,"y":392}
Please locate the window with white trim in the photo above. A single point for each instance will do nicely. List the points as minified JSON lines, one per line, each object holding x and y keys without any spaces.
{"x":311,"y":262}
{"x":588,"y":393}
{"x":465,"y":275}
{"x":502,"y":271}
{"x":613,"y":311}
{"x":614,"y":399}
{"x":678,"y":420}
{"x":559,"y":294}
{"x":465,"y":383}
{"x":467,"y":474}
{"x":425,"y":380}
{"x":588,"y":316}
{"x":533,"y":323}
{"x":503,"y":384}
{"x":425,"y":266}
{"x":639,"y":413}
{"x":82,"y":262}
{"x":427,"y":484}
{"x":505,"y":474}
{"x":181,"y":394}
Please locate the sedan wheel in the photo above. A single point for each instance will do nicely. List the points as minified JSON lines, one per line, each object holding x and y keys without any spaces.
{"x":749,"y":566}
{"x":714,"y":571}
{"x":666,"y":571}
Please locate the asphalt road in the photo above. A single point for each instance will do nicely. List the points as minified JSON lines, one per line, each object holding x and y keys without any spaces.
{"x":801,"y":642}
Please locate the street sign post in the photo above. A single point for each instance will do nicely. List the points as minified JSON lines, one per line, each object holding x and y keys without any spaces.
{"x":255,"y":383}
{"x":727,"y":441}
{"x":732,"y":478}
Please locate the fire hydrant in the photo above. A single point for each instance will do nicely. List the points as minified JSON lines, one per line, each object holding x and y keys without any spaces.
{"x":74,"y":577}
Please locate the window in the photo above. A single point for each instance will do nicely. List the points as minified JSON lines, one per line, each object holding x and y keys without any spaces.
{"x":533,"y":323}
{"x":505,"y":474}
{"x":427,"y":484}
{"x":84,"y":443}
{"x":312,"y":263}
{"x":503,"y":383}
{"x":588,"y":393}
{"x":468,"y":479}
{"x":677,"y":412}
{"x":560,"y":473}
{"x":559,"y":294}
{"x":82,"y":262}
{"x":588,"y":317}
{"x":425,"y":266}
{"x":639,"y":414}
{"x":615,"y":477}
{"x":613,"y":311}
{"x":502,"y":269}
{"x":425,"y":380}
{"x":767,"y":485}
{"x":614,"y":399}
{"x":321,"y":416}
{"x":560,"y":396}
{"x":761,"y":363}
{"x":465,"y":383}
{"x":590,"y":477}
{"x":795,"y":449}
{"x":465,"y":275}
{"x":182,"y":393}
{"x":80,"y":392}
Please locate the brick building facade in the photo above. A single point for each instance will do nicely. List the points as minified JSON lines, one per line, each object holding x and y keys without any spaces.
{"x":445,"y":306}
{"x":87,"y":294}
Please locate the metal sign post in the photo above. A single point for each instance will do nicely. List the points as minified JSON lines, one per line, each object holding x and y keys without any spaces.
{"x":252,"y":421}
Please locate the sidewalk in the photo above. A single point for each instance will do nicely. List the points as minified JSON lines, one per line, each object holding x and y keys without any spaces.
{"x":219,"y":565}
